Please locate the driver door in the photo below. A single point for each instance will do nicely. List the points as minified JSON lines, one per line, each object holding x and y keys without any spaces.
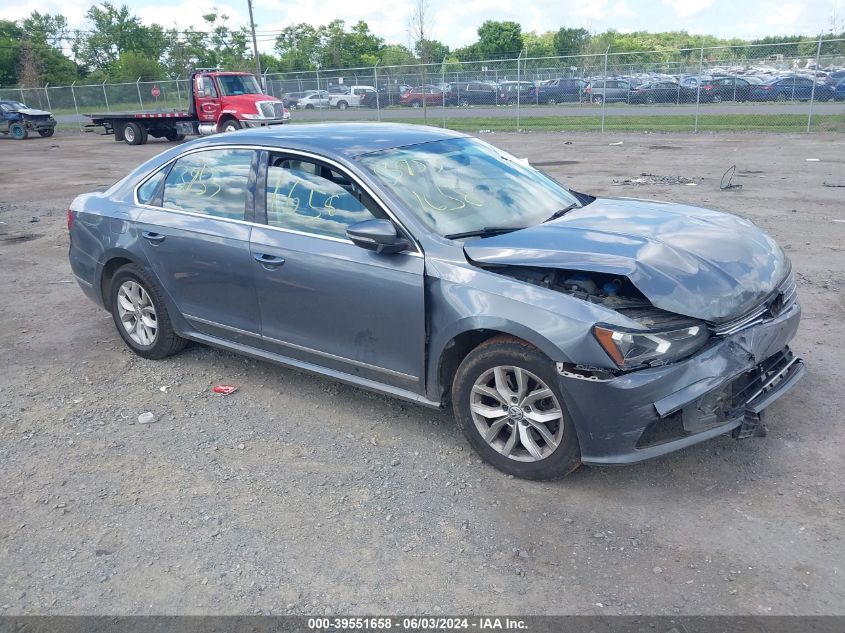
{"x":208,"y":105}
{"x":322,"y":299}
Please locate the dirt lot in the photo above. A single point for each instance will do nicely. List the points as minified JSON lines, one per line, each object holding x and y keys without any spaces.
{"x":299,"y":495}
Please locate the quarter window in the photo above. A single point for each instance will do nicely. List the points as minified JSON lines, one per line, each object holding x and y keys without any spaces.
{"x":213,"y":182}
{"x":308,"y":197}
{"x":147,"y":193}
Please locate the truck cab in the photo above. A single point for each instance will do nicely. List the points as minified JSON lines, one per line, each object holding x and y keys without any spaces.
{"x":226,"y":101}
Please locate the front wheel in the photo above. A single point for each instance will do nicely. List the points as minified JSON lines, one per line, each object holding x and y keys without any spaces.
{"x":551,"y":101}
{"x":342,"y":105}
{"x":139,"y":312}
{"x":47,"y":132}
{"x":598,"y":99}
{"x":510,"y":408}
{"x":231,"y":125}
{"x":134,"y":134}
{"x":18,"y":131}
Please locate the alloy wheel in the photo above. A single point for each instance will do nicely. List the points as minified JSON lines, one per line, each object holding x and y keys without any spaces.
{"x":137,"y":313}
{"x":516,"y":413}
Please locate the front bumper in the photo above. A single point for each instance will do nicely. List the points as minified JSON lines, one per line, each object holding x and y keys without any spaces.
{"x":252,"y":123}
{"x":655,"y":411}
{"x":40,"y":124}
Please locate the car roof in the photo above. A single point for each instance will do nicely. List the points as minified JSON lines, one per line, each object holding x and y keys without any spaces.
{"x":347,"y":139}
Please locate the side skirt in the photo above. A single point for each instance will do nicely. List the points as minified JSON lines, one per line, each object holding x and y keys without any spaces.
{"x":355,"y":381}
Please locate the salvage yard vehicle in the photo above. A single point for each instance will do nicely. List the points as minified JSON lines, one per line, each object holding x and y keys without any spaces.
{"x":220,"y":102}
{"x":351,"y":99}
{"x":18,"y":120}
{"x":427,"y":265}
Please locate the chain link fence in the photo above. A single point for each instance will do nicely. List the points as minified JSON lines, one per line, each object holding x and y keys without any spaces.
{"x":789,"y":87}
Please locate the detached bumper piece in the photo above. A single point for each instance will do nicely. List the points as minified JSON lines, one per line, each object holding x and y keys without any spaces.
{"x":736,"y":406}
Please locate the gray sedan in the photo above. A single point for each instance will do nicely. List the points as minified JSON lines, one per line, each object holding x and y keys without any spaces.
{"x":430,"y":266}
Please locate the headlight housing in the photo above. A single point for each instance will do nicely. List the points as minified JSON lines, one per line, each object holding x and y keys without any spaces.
{"x":631,"y":349}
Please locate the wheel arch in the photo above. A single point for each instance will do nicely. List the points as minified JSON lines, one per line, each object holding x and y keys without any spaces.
{"x":451,"y":348}
{"x":113,"y":262}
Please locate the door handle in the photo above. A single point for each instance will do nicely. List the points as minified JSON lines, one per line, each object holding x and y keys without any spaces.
{"x":268,"y":261}
{"x":155,"y":238}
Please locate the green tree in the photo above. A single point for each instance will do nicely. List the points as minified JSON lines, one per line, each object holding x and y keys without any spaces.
{"x":539,"y":45}
{"x":298,"y":47}
{"x":434,"y":51}
{"x":571,"y":41}
{"x":396,"y":55}
{"x":499,"y":39}
{"x":10,"y":52}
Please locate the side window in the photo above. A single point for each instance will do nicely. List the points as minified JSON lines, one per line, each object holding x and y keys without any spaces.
{"x":209,"y":87}
{"x":213,"y":183}
{"x":308,"y":197}
{"x":148,"y":192}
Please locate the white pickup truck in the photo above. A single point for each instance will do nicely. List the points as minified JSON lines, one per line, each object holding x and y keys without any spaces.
{"x":351,"y":99}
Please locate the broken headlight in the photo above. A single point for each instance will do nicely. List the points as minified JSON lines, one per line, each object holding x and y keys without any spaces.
{"x":630,"y":349}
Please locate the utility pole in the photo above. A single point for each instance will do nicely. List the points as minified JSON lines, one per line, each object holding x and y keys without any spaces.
{"x":254,"y":43}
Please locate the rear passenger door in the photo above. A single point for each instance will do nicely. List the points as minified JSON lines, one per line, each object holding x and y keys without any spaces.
{"x":195,"y":233}
{"x":324,"y":300}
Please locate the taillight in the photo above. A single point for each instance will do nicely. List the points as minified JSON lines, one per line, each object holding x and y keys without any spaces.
{"x":69,"y":219}
{"x":707,"y":87}
{"x":588,"y":90}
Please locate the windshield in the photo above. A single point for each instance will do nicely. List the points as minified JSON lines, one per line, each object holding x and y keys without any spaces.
{"x":461,"y":185}
{"x":238,"y":85}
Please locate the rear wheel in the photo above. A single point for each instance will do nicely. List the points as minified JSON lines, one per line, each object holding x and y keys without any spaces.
{"x":134,"y":133}
{"x":598,"y":99}
{"x":139,"y":312}
{"x":650,"y":99}
{"x":463,"y":102}
{"x":781,"y":97}
{"x":415,"y":104}
{"x":551,"y":101}
{"x":508,"y":403}
{"x":716,"y":99}
{"x":46,"y":133}
{"x":342,"y":105}
{"x":18,"y":131}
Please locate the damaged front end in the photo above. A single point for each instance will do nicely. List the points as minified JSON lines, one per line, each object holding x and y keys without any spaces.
{"x":674,"y":380}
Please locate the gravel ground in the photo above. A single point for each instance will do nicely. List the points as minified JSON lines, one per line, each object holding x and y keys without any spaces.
{"x":299,"y":495}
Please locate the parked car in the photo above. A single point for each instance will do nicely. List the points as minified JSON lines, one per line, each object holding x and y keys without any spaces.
{"x":291,"y":99}
{"x":835,"y":77}
{"x":662,"y":92}
{"x":559,"y":91}
{"x":607,"y":90}
{"x":430,"y":95}
{"x":18,"y":120}
{"x":430,"y":266}
{"x":351,"y":99}
{"x":313,"y":99}
{"x":389,"y":94}
{"x":794,"y":88}
{"x":839,"y":91}
{"x":724,"y":89}
{"x":512,"y":91}
{"x":467,"y":93}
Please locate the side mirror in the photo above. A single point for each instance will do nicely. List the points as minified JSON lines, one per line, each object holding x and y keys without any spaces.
{"x":377,"y":235}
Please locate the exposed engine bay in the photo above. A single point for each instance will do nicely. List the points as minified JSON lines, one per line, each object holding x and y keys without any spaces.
{"x":612,"y":291}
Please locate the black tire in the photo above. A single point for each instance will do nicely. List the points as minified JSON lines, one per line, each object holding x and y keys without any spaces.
{"x":415,"y":104}
{"x":509,"y":351}
{"x":230,"y":125}
{"x":166,"y":341}
{"x":551,"y":101}
{"x":464,"y":103}
{"x":18,"y":131}
{"x":649,"y":99}
{"x":46,"y":133}
{"x":309,"y":106}
{"x":598,"y":99}
{"x":173,"y":136}
{"x":342,"y":105}
{"x":134,"y":133}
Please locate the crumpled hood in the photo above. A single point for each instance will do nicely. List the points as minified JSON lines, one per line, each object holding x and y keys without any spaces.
{"x":33,"y":112}
{"x":687,"y":260}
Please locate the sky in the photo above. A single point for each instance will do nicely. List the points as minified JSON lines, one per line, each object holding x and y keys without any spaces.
{"x":455,"y":22}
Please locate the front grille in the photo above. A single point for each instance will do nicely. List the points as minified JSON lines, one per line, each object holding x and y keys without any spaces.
{"x":777,"y":303}
{"x":272,"y":109}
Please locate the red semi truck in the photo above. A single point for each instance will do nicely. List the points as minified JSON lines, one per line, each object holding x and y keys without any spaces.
{"x":220,"y":102}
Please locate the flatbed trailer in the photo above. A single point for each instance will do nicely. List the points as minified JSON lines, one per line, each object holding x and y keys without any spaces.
{"x":135,"y":127}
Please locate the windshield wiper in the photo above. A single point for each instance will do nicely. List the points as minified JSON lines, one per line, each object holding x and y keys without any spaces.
{"x":561,"y":212}
{"x":487,"y":231}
